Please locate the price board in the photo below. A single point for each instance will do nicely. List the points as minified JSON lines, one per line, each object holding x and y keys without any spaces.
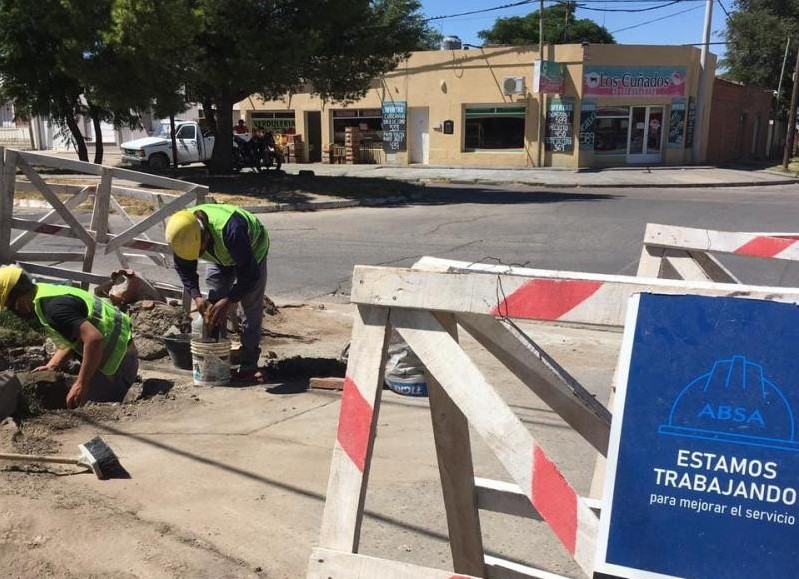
{"x":395,"y":119}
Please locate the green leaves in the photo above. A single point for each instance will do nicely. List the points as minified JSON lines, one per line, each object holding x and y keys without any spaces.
{"x":757,"y":32}
{"x":560,"y":27}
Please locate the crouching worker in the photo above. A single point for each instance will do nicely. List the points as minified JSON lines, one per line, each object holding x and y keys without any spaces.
{"x":80,"y":323}
{"x":235,"y":244}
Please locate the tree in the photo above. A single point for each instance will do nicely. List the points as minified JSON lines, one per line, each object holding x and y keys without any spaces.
{"x":32,"y":69}
{"x":756,"y":34}
{"x":56,"y":62}
{"x":560,"y":27}
{"x":333,"y":48}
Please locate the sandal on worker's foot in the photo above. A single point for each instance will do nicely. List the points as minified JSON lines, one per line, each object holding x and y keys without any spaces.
{"x":248,"y":377}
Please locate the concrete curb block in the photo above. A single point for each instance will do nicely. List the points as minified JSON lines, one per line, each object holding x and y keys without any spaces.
{"x":279,"y":207}
{"x":728,"y":184}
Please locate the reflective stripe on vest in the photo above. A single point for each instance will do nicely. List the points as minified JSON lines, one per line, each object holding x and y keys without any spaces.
{"x":109,"y":321}
{"x":218,"y":216}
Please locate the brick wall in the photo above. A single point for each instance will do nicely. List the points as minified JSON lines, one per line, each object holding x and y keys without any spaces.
{"x":739,"y":117}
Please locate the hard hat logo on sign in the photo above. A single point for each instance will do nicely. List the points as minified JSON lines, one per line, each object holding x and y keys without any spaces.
{"x":734,"y":403}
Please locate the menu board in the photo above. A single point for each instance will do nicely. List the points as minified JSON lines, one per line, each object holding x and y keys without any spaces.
{"x":677,"y":124}
{"x":690,"y":123}
{"x":560,"y":125}
{"x":587,"y":125}
{"x":395,"y":120}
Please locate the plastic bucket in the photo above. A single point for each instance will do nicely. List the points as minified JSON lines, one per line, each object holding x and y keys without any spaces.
{"x":178,"y":347}
{"x":211,"y":362}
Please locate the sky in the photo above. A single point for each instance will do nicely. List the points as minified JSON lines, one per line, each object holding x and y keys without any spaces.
{"x":679,"y":29}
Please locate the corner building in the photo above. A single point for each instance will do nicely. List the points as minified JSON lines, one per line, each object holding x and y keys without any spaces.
{"x":605,"y":105}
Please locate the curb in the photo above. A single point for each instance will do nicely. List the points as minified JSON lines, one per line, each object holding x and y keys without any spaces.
{"x":727,"y":184}
{"x":324,"y":205}
{"x":279,"y":207}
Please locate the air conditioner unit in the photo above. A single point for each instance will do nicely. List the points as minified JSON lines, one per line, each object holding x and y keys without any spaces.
{"x":513,"y":85}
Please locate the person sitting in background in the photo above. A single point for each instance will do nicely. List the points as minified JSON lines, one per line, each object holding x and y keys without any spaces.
{"x":79,"y":323}
{"x":241,"y":128}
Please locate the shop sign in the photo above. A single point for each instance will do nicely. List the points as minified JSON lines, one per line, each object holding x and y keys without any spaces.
{"x":690,"y":123}
{"x":549,"y":77}
{"x":395,"y":114}
{"x":703,"y":462}
{"x":677,"y":124}
{"x":560,"y":125}
{"x":587,"y":122}
{"x":624,"y":81}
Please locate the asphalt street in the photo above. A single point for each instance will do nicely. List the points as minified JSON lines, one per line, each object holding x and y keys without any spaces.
{"x":313,"y":254}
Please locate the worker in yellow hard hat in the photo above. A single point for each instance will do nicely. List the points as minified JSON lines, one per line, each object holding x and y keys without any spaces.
{"x":79,"y":323}
{"x":235,"y":244}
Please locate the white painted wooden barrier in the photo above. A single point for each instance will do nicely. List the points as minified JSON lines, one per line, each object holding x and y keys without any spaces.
{"x":686,"y":253}
{"x":427,"y":306}
{"x":62,"y":220}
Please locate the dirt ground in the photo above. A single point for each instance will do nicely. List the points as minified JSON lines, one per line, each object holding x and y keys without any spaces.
{"x":230,"y":482}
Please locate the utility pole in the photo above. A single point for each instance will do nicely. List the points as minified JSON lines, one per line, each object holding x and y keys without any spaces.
{"x":540,"y":157}
{"x":782,"y":70}
{"x":700,"y":91}
{"x":791,"y":134}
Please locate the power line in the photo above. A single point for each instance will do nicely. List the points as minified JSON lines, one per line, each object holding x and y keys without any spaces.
{"x":723,"y":8}
{"x":581,"y":6}
{"x":502,"y":7}
{"x":655,"y":19}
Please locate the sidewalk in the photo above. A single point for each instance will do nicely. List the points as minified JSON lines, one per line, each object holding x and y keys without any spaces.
{"x":616,"y":177}
{"x":644,"y":177}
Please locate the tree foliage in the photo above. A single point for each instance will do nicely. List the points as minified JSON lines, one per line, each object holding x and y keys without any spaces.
{"x":756,"y":34}
{"x":108,"y":58}
{"x":560,"y":27}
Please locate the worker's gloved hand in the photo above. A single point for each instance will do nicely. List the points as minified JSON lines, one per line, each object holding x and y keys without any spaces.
{"x":218,"y":313}
{"x":77,"y":394}
{"x":202,"y":305}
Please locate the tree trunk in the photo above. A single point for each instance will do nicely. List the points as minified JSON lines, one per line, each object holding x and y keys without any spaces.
{"x":222,"y":158}
{"x":98,"y":137}
{"x":80,"y":142}
{"x":174,"y":139}
{"x":210,"y":116}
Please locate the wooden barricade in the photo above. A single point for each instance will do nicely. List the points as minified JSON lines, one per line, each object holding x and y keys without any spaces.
{"x":61,"y":220}
{"x":687,"y":253}
{"x":427,"y":306}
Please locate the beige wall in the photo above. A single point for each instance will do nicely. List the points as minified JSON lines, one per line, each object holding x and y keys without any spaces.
{"x":447,"y":81}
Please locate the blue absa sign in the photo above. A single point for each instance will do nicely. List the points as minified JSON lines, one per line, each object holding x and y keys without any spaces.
{"x":703,"y":466}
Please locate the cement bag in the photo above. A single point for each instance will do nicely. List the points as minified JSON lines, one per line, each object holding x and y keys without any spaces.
{"x":404,"y":372}
{"x":128,"y":287}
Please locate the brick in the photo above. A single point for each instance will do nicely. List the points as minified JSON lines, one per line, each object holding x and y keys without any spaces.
{"x":327,"y":383}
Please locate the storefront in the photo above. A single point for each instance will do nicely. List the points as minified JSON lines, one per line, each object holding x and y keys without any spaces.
{"x":599,"y":105}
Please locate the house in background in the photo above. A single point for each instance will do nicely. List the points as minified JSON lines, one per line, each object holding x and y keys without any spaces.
{"x":739,"y":122}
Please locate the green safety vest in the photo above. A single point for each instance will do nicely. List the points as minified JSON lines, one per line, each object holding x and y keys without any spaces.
{"x":112,"y":324}
{"x":218,"y":216}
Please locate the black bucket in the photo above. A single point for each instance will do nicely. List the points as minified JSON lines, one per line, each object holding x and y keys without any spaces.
{"x":178,"y":346}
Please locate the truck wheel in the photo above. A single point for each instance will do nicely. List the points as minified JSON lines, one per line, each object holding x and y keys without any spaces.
{"x":159,"y":162}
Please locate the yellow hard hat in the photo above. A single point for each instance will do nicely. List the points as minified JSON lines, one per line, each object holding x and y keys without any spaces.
{"x":183,"y":235}
{"x":9,"y":276}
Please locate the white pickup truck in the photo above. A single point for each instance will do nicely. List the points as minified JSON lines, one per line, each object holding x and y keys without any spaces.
{"x":156,"y":151}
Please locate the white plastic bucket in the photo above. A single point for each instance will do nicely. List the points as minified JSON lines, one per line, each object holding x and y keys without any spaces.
{"x":211,"y":362}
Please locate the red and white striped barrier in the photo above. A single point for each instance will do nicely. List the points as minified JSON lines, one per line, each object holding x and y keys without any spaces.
{"x":688,"y":253}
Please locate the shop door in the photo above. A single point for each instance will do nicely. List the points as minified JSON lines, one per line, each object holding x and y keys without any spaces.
{"x":645,"y":144}
{"x":420,"y":134}
{"x":313,"y":123}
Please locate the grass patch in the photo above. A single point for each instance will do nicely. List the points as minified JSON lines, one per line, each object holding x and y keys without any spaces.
{"x":793,"y":167}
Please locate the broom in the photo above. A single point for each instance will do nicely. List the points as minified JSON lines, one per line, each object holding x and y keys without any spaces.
{"x":95,"y":455}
